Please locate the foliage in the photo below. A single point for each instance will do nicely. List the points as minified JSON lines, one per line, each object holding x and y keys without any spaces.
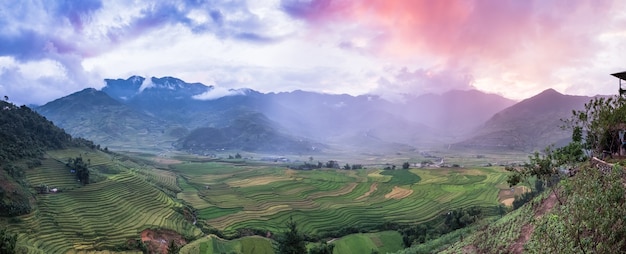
{"x":7,"y":242}
{"x":598,"y":120}
{"x":292,"y":241}
{"x":81,"y":168}
{"x":173,"y":248}
{"x":26,"y":134}
{"x":322,"y":248}
{"x":446,"y":223}
{"x":592,"y":218}
{"x":406,"y":165}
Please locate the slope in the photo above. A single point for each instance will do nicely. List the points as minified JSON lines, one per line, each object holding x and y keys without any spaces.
{"x":94,"y":115}
{"x":51,"y":212}
{"x":249,"y":131}
{"x":530,"y":124}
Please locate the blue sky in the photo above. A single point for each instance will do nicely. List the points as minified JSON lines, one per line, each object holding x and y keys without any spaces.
{"x":49,"y":49}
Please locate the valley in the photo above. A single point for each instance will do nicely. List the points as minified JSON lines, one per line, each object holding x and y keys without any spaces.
{"x":228,"y":174}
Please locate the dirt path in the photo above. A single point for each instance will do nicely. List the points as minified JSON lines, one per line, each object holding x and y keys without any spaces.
{"x":527,"y":230}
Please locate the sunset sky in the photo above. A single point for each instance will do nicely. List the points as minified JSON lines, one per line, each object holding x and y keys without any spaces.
{"x":49,"y":49}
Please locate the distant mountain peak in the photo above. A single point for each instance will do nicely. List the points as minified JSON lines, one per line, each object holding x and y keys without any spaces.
{"x":549,"y":91}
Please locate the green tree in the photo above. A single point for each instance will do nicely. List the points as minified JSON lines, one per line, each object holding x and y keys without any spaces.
{"x":322,"y":248}
{"x":406,"y":165}
{"x":81,"y":168}
{"x":173,"y":248}
{"x":599,"y":120}
{"x":292,"y":241}
{"x":7,"y":242}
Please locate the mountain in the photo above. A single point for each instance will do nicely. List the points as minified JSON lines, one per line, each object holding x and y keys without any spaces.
{"x":251,"y":132}
{"x":531,"y":124}
{"x":150,"y":107}
{"x":95,"y":115}
{"x":455,"y":112}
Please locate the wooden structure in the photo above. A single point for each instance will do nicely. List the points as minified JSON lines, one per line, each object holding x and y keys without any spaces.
{"x":622,"y":77}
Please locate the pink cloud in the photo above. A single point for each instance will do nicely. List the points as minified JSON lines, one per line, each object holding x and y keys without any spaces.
{"x":529,"y":38}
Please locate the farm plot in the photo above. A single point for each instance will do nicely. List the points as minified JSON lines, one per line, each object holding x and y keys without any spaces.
{"x":264,"y":197}
{"x":245,"y":245}
{"x":381,"y":242}
{"x":97,"y":216}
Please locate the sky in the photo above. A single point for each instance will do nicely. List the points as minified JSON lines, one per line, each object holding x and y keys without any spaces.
{"x":49,"y":49}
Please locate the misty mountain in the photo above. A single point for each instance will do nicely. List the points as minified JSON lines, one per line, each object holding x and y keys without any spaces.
{"x":455,"y":112}
{"x":251,"y":132}
{"x":531,"y":124}
{"x":172,"y":108}
{"x":94,"y":115}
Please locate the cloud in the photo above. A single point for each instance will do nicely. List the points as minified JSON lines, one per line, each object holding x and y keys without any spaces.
{"x":218,"y":92}
{"x":529,"y":40}
{"x":70,"y":32}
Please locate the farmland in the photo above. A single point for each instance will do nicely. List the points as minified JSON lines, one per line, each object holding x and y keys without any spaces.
{"x":103,"y":215}
{"x":232,"y":196}
{"x":130,"y":194}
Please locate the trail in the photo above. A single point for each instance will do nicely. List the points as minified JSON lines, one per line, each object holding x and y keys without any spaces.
{"x":528,"y":229}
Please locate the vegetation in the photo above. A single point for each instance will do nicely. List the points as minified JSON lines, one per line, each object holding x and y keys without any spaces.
{"x":292,"y":241}
{"x":590,"y":219}
{"x":7,"y":242}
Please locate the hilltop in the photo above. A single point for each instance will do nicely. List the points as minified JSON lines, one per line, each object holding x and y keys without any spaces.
{"x":531,"y":124}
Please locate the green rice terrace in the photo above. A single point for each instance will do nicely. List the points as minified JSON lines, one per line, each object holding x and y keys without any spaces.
{"x":128,"y":195}
{"x":236,"y":196}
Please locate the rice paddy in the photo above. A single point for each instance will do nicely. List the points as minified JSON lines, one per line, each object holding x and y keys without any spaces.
{"x":103,"y":215}
{"x":231,"y":197}
{"x":128,"y":196}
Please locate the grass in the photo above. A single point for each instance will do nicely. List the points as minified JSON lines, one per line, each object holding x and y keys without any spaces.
{"x":245,"y":245}
{"x":383,"y":242}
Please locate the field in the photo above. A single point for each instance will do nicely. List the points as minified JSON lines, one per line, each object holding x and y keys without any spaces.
{"x":245,"y":245}
{"x":130,"y":194}
{"x":231,"y":196}
{"x":382,"y":242}
{"x":125,"y":199}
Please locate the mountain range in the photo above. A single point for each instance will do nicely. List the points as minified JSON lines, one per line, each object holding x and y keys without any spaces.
{"x":163,"y":112}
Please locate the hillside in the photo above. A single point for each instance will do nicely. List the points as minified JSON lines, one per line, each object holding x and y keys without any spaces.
{"x":25,"y":136}
{"x":42,"y":202}
{"x":456,"y":112}
{"x":531,"y":124}
{"x":94,"y":115}
{"x":251,"y":132}
{"x":585,"y":215}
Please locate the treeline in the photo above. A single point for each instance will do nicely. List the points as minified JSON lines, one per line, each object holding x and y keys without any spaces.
{"x":411,"y":234}
{"x":24,"y":137}
{"x":329,"y":164}
{"x":26,"y":134}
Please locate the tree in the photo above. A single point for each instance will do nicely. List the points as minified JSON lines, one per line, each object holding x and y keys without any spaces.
{"x":406,"y":165}
{"x":81,"y":168}
{"x":173,"y":248}
{"x":237,"y":156}
{"x":7,"y":242}
{"x":322,"y":248}
{"x":598,"y":121}
{"x":292,"y":242}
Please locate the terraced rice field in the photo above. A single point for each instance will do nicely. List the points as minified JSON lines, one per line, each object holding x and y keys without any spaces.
{"x":246,"y":245}
{"x":381,"y":242}
{"x":231,"y":196}
{"x":97,"y":216}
